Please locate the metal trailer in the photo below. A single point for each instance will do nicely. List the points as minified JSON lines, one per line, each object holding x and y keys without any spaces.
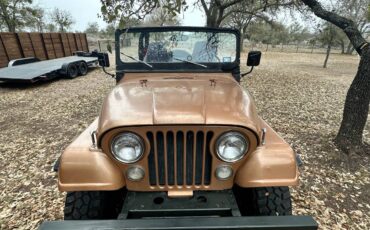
{"x":205,"y":210}
{"x":32,"y":69}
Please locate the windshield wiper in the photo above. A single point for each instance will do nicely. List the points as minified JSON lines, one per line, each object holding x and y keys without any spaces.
{"x":194,"y":63}
{"x":135,"y":59}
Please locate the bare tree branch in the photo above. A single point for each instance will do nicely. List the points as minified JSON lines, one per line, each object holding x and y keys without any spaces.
{"x":347,"y":25}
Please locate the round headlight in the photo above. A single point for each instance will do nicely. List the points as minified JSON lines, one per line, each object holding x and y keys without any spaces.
{"x":232,"y":146}
{"x":127,"y":147}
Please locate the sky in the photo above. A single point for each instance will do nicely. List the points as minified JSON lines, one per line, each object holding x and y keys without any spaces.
{"x":85,"y":11}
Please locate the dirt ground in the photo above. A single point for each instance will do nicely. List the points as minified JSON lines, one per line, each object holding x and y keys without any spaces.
{"x":299,"y":98}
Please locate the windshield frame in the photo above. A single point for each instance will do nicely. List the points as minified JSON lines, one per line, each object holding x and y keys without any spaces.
{"x":136,"y":67}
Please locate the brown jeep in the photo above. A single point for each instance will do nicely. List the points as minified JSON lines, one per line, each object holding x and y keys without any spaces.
{"x":179,"y":137}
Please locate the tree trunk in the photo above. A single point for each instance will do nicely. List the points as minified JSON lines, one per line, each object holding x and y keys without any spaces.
{"x":267,"y":47}
{"x":11,"y":27}
{"x":342,"y":46}
{"x":211,"y":22}
{"x":349,"y":48}
{"x":328,"y":50}
{"x":241,"y":44}
{"x":356,"y":108}
{"x":212,"y":17}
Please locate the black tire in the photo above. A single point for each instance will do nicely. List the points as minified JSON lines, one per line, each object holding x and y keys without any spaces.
{"x":82,"y":68}
{"x":270,"y":201}
{"x":72,"y":71}
{"x":93,"y":205}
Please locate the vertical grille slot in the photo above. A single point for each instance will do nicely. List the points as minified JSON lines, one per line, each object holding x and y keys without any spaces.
{"x":189,"y":157}
{"x":160,"y":158}
{"x":199,"y":158}
{"x":170,"y":159}
{"x":151,"y":160}
{"x":179,"y":158}
{"x":208,"y":160}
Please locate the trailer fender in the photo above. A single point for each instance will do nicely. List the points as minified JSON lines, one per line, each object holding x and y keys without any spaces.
{"x":22,"y":61}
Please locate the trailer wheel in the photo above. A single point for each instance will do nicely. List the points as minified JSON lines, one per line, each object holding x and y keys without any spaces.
{"x":269,"y":201}
{"x":82,"y":68}
{"x":92,"y":205}
{"x":72,"y":71}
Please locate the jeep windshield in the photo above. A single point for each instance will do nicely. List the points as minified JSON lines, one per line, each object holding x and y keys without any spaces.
{"x":177,"y":49}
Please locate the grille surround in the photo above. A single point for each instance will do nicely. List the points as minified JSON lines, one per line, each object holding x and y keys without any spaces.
{"x":145,"y":185}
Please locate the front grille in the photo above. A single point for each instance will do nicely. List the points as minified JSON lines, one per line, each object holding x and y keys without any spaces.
{"x":180,"y":158}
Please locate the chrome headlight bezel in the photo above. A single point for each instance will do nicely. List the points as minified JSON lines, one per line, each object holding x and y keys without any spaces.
{"x":135,"y":137}
{"x":232,"y":134}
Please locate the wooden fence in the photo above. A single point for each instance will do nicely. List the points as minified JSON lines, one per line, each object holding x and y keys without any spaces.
{"x":41,"y":45}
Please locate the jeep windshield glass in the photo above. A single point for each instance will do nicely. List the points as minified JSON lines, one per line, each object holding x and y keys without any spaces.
{"x":179,"y":46}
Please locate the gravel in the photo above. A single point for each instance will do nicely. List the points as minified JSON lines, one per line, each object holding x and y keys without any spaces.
{"x":302,"y":101}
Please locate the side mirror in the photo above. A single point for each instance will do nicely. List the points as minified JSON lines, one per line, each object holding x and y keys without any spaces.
{"x":103,"y":59}
{"x":254,"y":58}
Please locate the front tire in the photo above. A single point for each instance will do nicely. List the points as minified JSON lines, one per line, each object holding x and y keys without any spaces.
{"x":269,"y":201}
{"x":93,"y":205}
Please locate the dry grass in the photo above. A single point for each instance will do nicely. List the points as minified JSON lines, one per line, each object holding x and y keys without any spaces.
{"x":302,"y":101}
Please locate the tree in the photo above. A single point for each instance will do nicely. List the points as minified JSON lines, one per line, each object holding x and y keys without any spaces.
{"x":36,"y":20}
{"x":63,"y":19}
{"x":298,"y":34}
{"x":329,"y":36}
{"x":357,"y":11}
{"x":92,"y":28}
{"x":15,"y":13}
{"x":241,"y":15}
{"x":160,"y":17}
{"x":122,"y":11}
{"x":350,"y":136}
{"x":216,"y":11}
{"x":109,"y":30}
{"x":264,"y":32}
{"x":50,"y":27}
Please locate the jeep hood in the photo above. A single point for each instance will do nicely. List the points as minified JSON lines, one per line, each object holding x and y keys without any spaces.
{"x":173,"y":99}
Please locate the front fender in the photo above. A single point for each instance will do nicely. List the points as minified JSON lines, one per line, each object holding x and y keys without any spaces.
{"x":85,"y":169}
{"x":272,"y":164}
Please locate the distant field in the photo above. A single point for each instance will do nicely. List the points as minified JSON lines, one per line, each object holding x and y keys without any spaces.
{"x":299,"y":98}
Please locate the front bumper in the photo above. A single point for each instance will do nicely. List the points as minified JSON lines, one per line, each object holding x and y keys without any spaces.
{"x":204,"y":210}
{"x":266,"y":222}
